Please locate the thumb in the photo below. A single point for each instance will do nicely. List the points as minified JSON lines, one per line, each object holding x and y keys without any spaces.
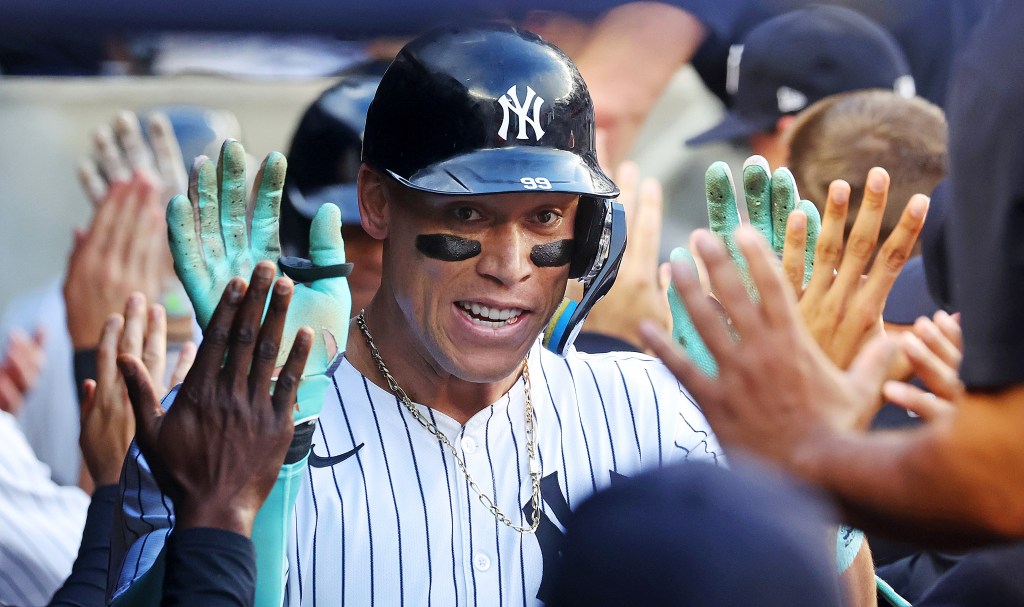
{"x":870,"y":369}
{"x":89,"y":390}
{"x":143,"y":398}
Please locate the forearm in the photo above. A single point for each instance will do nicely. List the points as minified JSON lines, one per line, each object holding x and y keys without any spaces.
{"x":953,"y":482}
{"x":210,"y":567}
{"x":87,"y":584}
{"x":659,"y":37}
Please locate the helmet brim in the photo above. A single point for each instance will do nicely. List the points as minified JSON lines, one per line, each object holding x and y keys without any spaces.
{"x":513,"y":169}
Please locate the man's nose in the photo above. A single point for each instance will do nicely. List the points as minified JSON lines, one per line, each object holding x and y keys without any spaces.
{"x":505,"y":256}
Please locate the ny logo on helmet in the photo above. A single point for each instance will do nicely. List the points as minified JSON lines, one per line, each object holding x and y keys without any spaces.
{"x":510,"y":103}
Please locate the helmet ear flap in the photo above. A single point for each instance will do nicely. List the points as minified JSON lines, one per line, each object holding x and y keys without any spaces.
{"x":589,"y":225}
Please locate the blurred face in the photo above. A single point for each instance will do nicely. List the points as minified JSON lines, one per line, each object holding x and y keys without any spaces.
{"x":364,"y":252}
{"x":476,"y":278}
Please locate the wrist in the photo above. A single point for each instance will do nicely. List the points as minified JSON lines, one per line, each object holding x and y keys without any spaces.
{"x":215,"y":513}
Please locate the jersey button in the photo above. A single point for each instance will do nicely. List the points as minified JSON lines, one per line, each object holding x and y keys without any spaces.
{"x":469,"y":445}
{"x":481,"y":562}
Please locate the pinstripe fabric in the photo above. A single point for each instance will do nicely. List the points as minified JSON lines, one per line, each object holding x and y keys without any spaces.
{"x":40,"y":523}
{"x":396,"y":523}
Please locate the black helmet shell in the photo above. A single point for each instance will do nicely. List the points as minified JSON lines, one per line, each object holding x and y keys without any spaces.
{"x":483,"y":110}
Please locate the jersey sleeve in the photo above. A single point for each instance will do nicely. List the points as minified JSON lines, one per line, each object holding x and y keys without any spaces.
{"x":142,"y":522}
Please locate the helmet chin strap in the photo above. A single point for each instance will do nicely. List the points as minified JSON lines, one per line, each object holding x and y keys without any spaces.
{"x":568,"y":319}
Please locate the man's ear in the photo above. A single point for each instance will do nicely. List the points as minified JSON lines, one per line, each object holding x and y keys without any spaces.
{"x":373,"y":202}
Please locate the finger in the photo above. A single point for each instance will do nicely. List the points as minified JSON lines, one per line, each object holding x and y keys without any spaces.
{"x":936,"y":340}
{"x":648,"y":219}
{"x":166,"y":153}
{"x":784,"y":197}
{"x":288,"y":381}
{"x":326,"y":248}
{"x":246,"y":325}
{"x":757,"y":186}
{"x":266,"y":243}
{"x":108,"y":155}
{"x":129,"y":134}
{"x":894,"y":253}
{"x":146,"y":232}
{"x":829,"y":249}
{"x":92,"y":182}
{"x":106,"y":354}
{"x":211,"y":351}
{"x":115,"y":232}
{"x":186,"y":357}
{"x":145,"y":403}
{"x":860,"y":246}
{"x":723,"y":216}
{"x":933,"y":371}
{"x":134,"y":325}
{"x":154,"y":350}
{"x":813,"y":230}
{"x":231,"y":186}
{"x":626,"y":178}
{"x":202,"y":190}
{"x":778,"y":302}
{"x":870,"y":368}
{"x":25,"y":358}
{"x":10,"y":396}
{"x":915,"y":400}
{"x":265,"y":357}
{"x":700,"y":385}
{"x":185,"y":246}
{"x":729,"y":288}
{"x":683,"y":330}
{"x":950,"y":327}
{"x":793,"y":251}
{"x":703,"y":313}
{"x":89,"y":400}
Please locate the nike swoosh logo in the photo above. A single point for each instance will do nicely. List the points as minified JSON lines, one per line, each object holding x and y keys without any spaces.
{"x":319,"y":461}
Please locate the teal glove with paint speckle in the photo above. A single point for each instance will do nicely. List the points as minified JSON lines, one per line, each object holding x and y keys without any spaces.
{"x":770,"y":200}
{"x":224,"y":248}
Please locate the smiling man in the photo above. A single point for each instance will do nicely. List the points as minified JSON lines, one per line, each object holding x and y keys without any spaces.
{"x":452,"y":444}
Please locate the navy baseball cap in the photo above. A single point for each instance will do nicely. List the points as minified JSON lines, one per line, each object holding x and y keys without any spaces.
{"x":695,"y":535}
{"x":792,"y":60}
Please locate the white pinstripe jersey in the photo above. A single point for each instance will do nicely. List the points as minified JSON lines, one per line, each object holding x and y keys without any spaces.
{"x":394,"y":521}
{"x":40,"y":522}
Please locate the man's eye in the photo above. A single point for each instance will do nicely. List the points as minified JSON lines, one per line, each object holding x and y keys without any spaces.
{"x":466,"y":213}
{"x":547,"y":217}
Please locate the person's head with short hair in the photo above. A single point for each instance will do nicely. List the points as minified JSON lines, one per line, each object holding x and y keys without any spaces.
{"x":790,"y":61}
{"x":480,"y":176}
{"x":844,"y":136}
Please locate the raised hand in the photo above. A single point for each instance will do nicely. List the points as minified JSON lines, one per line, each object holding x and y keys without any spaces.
{"x":934,"y":349}
{"x":841,"y":307}
{"x":224,"y":248}
{"x":639,"y":289}
{"x":770,"y":200}
{"x":120,"y":150}
{"x":122,"y":251}
{"x":218,"y":451}
{"x":777,"y":394}
{"x":107,"y":422}
{"x":22,"y":361}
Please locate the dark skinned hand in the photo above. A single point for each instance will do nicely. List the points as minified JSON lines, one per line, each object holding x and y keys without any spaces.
{"x":218,"y":450}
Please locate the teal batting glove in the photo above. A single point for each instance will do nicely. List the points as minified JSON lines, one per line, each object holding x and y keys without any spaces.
{"x":770,"y":198}
{"x":225,"y":247}
{"x":683,"y":331}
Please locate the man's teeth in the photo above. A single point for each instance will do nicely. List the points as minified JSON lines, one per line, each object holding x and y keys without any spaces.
{"x":497,"y":315}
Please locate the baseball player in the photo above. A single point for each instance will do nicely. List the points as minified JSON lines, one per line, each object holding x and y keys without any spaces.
{"x":459,"y":427}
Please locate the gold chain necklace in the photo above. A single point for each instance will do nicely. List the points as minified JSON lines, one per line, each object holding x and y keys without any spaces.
{"x":531,"y":439}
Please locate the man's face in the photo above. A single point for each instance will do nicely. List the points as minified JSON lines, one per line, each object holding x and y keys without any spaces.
{"x":476,"y":309}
